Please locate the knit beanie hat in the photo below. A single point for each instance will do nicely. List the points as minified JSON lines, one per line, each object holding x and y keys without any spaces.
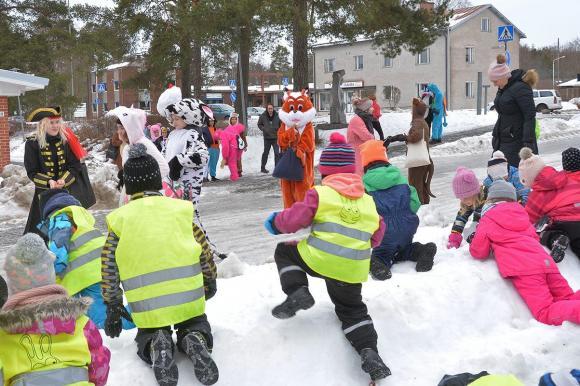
{"x":497,"y":166}
{"x":337,"y":157}
{"x":362,"y":104}
{"x":465,"y":183}
{"x":530,"y":166}
{"x":55,"y":199}
{"x":571,"y":159}
{"x":372,"y":151}
{"x":499,"y":69}
{"x":29,"y":264}
{"x":502,"y":189}
{"x":3,"y":291}
{"x":141,"y":171}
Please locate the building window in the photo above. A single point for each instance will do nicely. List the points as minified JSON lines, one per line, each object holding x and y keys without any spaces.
{"x":324,"y":101}
{"x":94,"y":87}
{"x":116,"y":84}
{"x":117,"y":104}
{"x":387,"y":61}
{"x":358,"y":62}
{"x":105,"y":107}
{"x":421,"y":87}
{"x":470,"y":55}
{"x":424,"y":57}
{"x":144,"y":105}
{"x":94,"y":107}
{"x":469,"y":90}
{"x":329,"y":65}
{"x":485,"y":27}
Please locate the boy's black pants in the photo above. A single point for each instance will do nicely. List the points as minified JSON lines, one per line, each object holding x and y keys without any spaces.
{"x":558,"y":228}
{"x":357,"y":325}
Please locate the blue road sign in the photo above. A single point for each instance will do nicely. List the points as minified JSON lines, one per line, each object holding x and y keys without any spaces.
{"x":508,"y":58}
{"x":233,"y":84}
{"x":505,"y":33}
{"x":97,"y":101}
{"x":285,"y":81}
{"x":101,"y":87}
{"x":233,"y":97}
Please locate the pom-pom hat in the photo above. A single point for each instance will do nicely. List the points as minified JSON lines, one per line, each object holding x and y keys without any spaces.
{"x":530,"y":166}
{"x":499,"y":69}
{"x":497,"y":166}
{"x":141,"y":171}
{"x":337,"y":157}
{"x":465,"y":183}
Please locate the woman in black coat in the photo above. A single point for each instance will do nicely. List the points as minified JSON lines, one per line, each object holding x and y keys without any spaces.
{"x":49,"y":161}
{"x":516,"y":124}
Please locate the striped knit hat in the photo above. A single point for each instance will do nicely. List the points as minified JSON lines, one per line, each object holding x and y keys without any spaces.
{"x":337,"y":157}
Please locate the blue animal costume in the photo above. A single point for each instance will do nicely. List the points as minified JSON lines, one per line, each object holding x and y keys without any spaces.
{"x":70,"y":229}
{"x":397,"y":202}
{"x":439,"y":113}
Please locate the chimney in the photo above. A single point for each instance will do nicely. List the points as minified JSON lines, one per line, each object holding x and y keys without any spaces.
{"x":427,"y":5}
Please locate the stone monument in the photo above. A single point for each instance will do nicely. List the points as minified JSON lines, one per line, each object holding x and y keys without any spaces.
{"x":337,"y":116}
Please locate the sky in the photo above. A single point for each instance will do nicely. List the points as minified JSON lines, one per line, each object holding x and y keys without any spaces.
{"x":543,"y":21}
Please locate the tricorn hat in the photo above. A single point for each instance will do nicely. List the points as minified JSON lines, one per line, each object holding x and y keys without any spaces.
{"x":44,"y":112}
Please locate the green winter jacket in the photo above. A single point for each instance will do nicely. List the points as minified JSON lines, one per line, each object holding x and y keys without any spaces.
{"x":383,"y":178}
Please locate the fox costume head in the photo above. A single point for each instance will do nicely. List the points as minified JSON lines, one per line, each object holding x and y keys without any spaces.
{"x":297,"y":110}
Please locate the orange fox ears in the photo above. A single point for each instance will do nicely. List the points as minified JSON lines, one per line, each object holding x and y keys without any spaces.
{"x":286,"y":96}
{"x":305,"y":92}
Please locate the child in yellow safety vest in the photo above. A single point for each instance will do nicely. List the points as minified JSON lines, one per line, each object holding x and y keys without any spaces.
{"x":45,"y":337}
{"x":165,"y":283}
{"x":77,"y":245}
{"x":345,"y":225}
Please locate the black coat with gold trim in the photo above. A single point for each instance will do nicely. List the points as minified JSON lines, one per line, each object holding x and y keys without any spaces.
{"x":55,"y":162}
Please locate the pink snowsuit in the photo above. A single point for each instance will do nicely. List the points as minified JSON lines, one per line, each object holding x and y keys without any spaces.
{"x":357,"y":134}
{"x":506,"y":230}
{"x":230,"y":151}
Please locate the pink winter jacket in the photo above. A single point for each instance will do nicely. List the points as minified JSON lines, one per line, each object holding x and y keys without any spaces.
{"x":506,"y":230}
{"x":21,"y":314}
{"x":301,"y":214}
{"x":357,"y":134}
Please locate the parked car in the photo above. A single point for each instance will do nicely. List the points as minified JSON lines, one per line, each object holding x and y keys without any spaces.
{"x":255,"y":111}
{"x":547,"y":100}
{"x":221,"y":111}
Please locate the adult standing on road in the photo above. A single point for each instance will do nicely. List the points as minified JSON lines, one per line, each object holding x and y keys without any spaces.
{"x":360,"y":128}
{"x":376,"y":116}
{"x":269,"y":123}
{"x":514,"y":103}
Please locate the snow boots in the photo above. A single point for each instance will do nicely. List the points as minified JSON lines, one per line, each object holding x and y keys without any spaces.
{"x":301,"y":299}
{"x":195,"y":347}
{"x":373,"y":365}
{"x":424,"y":255}
{"x":379,"y":270}
{"x":559,"y":247}
{"x":164,"y":365}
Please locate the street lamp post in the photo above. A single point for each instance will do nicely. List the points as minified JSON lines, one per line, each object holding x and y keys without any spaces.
{"x":553,"y":63}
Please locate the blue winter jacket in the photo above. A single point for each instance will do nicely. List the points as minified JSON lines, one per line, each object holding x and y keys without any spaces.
{"x":514,"y":179}
{"x":397,"y":203}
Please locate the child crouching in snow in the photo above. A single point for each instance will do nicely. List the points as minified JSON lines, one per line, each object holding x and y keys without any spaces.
{"x":506,"y":231}
{"x":472,"y":196}
{"x":77,"y":245}
{"x":165,"y":283}
{"x":555,"y":195}
{"x":345,"y":226}
{"x":397,"y":203}
{"x":45,"y":337}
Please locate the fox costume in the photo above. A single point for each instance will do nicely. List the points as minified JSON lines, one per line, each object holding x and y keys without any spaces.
{"x":297,"y":132}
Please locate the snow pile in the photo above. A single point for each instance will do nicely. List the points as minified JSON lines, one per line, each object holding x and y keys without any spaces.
{"x":16,"y":192}
{"x":104,"y":183}
{"x":571,"y":105}
{"x":232,"y":266}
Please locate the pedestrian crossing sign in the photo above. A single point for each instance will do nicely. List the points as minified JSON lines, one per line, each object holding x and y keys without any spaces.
{"x":505,"y":33}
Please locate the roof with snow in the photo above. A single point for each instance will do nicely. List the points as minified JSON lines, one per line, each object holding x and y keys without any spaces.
{"x":570,"y":83}
{"x":14,"y":83}
{"x":119,"y":65}
{"x":461,"y":15}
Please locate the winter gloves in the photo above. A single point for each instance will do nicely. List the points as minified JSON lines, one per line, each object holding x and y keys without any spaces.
{"x":210,"y":288}
{"x":175,"y":169}
{"x":113,"y":324}
{"x":394,"y":138}
{"x":269,"y":224}
{"x":455,"y":240}
{"x":121,"y":180}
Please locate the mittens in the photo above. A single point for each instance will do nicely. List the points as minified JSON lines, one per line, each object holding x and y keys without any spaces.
{"x":113,"y":323}
{"x":210,"y":288}
{"x":455,"y":240}
{"x":175,"y":169}
{"x":269,"y":224}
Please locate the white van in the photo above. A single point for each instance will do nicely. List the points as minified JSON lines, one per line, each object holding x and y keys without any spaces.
{"x":547,"y":100}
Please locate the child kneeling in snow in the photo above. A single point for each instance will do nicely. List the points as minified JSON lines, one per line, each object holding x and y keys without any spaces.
{"x":472,"y":196}
{"x":45,"y":337}
{"x":506,"y":231}
{"x":397,"y":203}
{"x":555,"y":195}
{"x":499,"y":169}
{"x":77,"y":245}
{"x":345,"y":226}
{"x":163,"y":281}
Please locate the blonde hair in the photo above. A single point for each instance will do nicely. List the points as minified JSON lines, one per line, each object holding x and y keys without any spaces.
{"x":41,"y":132}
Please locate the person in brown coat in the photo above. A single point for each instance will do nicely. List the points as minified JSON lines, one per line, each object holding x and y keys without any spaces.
{"x":419,"y":177}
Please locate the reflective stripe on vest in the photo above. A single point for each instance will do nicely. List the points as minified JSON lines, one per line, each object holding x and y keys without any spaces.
{"x":57,"y":377}
{"x":170,"y":300}
{"x":337,"y":228}
{"x":84,"y":238}
{"x":161,"y":276}
{"x":83,"y":259}
{"x":334,"y":249}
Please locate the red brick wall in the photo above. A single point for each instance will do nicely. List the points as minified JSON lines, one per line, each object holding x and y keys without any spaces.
{"x":4,"y":133}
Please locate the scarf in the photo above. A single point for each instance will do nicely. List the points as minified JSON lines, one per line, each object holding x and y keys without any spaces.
{"x":367,"y":119}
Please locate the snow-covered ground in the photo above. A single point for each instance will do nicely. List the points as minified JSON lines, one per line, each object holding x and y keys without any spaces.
{"x":459,"y":317}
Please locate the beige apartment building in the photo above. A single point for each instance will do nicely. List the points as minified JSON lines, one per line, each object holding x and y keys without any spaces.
{"x":452,"y":62}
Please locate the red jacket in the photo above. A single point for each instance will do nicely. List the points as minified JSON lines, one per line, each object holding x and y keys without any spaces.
{"x":556,"y":195}
{"x":376,"y":110}
{"x":506,"y":230}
